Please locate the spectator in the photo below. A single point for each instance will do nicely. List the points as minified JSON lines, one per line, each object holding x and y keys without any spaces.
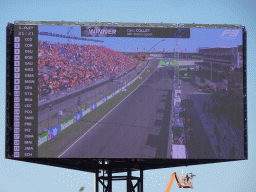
{"x":187,"y":177}
{"x":63,"y":66}
{"x":189,"y":132}
{"x":181,"y":140}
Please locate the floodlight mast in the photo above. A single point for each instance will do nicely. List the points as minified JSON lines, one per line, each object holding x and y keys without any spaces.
{"x":176,"y":57}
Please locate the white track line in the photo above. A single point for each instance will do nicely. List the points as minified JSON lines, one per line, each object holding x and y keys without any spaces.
{"x":106,"y":114}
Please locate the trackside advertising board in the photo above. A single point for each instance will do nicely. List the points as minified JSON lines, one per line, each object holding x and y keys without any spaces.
{"x":110,"y":96}
{"x":53,"y":132}
{"x":85,"y":111}
{"x":98,"y":103}
{"x":93,"y":106}
{"x":66,"y":123}
{"x":42,"y":138}
{"x":77,"y":117}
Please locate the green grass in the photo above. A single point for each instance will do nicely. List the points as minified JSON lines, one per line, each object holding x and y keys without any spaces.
{"x":185,"y":77}
{"x":162,"y":63}
{"x":188,"y":76}
{"x":183,"y":69}
{"x":58,"y":144}
{"x":174,"y":63}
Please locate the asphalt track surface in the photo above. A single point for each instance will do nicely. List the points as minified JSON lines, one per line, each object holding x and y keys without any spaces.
{"x":137,"y":128}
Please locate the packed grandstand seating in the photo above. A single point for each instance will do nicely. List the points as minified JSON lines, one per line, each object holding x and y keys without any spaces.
{"x":62,"y":66}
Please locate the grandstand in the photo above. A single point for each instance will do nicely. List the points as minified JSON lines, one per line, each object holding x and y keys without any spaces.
{"x":65,"y":66}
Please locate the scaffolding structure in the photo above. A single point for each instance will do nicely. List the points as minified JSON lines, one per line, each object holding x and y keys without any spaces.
{"x":177,"y":50}
{"x":176,"y":59}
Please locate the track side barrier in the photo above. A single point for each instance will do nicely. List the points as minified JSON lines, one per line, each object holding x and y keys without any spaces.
{"x":56,"y":130}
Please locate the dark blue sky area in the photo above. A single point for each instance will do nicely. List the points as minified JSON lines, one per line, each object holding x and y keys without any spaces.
{"x":199,"y":37}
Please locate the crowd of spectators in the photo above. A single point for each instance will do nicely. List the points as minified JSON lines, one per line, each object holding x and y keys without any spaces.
{"x":63,"y":66}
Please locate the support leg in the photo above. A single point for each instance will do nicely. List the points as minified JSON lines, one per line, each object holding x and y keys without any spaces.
{"x":109,"y":180}
{"x":141,"y":181}
{"x":97,"y":181}
{"x":129,"y":181}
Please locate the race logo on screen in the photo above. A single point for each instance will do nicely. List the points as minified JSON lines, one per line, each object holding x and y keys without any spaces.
{"x":229,"y":34}
{"x":96,"y":31}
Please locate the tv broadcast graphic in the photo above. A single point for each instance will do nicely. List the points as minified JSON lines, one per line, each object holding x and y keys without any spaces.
{"x":144,"y":92}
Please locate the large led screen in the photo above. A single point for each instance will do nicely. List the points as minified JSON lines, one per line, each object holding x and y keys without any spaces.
{"x":128,"y":92}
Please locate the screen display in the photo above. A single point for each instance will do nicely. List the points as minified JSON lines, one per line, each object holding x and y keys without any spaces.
{"x":128,"y":92}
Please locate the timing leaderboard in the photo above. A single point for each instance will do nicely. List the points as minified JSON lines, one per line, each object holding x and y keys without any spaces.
{"x":25,"y":91}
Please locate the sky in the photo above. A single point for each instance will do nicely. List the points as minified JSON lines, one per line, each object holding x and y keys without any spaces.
{"x":201,"y":37}
{"x":230,"y":176}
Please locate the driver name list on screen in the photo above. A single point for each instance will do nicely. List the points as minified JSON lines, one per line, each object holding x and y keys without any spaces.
{"x":25,"y":91}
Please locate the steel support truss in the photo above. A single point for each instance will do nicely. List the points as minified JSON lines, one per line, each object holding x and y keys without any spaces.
{"x":109,"y":178}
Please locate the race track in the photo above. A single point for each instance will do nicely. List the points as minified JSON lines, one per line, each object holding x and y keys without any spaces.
{"x":137,"y":128}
